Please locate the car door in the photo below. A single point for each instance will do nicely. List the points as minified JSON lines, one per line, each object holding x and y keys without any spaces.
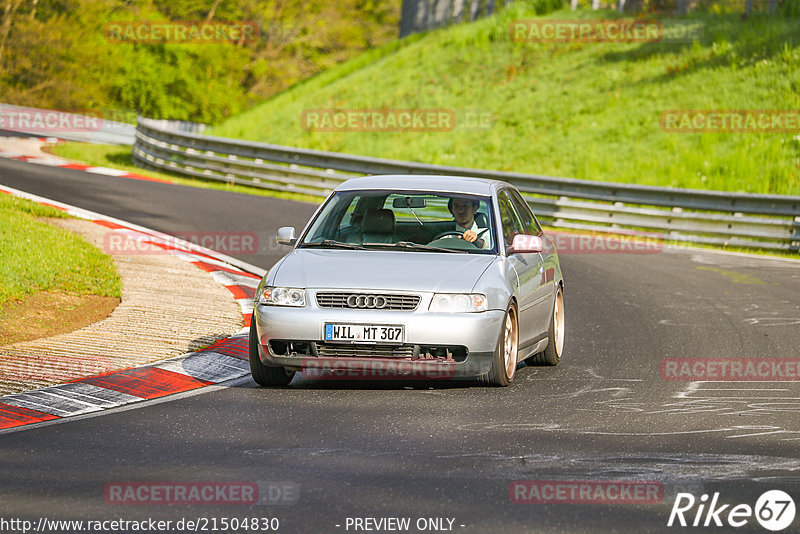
{"x":532,"y":293}
{"x":532,"y":227}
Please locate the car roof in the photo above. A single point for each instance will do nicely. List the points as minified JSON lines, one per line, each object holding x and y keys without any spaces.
{"x":419,"y":182}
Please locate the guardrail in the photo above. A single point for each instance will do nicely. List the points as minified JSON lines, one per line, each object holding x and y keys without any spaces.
{"x":684,"y":215}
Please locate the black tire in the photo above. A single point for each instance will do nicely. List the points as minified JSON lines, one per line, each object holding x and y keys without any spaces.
{"x":265,"y":375}
{"x":503,"y":369}
{"x":551,"y":355}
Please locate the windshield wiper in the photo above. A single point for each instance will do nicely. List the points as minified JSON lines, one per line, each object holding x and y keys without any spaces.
{"x":408,"y":245}
{"x":332,"y":243}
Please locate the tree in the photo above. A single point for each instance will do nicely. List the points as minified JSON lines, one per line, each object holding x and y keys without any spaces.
{"x":10,"y":8}
{"x":54,"y":53}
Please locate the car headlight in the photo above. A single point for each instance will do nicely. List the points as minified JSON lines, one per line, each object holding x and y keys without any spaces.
{"x":283,"y":296}
{"x":458,"y":302}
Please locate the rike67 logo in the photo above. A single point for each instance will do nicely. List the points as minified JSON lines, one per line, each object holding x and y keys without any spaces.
{"x":774,"y":510}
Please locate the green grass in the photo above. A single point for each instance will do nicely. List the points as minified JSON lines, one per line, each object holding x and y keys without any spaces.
{"x":40,"y":257}
{"x":587,"y":110}
{"x":120,"y":157}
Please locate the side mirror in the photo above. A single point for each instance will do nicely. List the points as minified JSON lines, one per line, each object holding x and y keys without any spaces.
{"x":527,"y":243}
{"x":286,"y":236}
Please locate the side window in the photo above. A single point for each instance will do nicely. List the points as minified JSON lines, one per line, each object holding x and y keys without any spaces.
{"x":350,"y":222}
{"x":527,"y":219}
{"x":508,"y":218}
{"x":349,"y":216}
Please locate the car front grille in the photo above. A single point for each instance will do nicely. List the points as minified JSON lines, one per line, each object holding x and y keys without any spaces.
{"x":336,"y":350}
{"x":367,"y":301}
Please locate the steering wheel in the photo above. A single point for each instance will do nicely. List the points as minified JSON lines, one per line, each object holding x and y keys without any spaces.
{"x":452,"y":233}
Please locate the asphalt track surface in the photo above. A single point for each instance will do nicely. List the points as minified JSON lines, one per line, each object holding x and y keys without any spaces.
{"x":444,"y":449}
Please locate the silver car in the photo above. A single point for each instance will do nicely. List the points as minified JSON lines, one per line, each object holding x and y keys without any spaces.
{"x":423,"y":277}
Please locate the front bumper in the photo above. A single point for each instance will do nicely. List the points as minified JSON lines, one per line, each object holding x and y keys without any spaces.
{"x":476,"y":332}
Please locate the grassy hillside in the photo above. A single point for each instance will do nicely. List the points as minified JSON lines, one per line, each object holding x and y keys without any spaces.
{"x":579,"y":110}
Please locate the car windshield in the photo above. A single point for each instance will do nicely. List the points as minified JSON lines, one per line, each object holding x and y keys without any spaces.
{"x":408,"y":221}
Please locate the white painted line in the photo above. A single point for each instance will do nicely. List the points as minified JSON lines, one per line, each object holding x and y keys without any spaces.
{"x":246,"y":305}
{"x":49,"y":162}
{"x":229,"y":279}
{"x":45,"y":401}
{"x":209,"y":366}
{"x":108,"y":171}
{"x":96,"y":395}
{"x":210,"y":261}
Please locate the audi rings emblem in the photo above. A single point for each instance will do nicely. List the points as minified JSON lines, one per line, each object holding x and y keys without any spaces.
{"x":366,"y":301}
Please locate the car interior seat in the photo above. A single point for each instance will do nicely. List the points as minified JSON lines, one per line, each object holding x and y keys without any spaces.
{"x":378,"y":226}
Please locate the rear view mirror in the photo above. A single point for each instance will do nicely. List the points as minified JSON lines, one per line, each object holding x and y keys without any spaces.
{"x":409,"y":202}
{"x":286,"y":236}
{"x":527,"y":243}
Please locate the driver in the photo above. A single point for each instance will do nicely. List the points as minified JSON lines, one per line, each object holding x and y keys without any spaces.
{"x":464,"y":210}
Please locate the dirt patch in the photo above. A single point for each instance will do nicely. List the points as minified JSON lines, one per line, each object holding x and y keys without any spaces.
{"x":48,"y":313}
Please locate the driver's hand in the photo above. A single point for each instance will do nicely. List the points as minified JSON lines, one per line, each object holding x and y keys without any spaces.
{"x":469,"y":235}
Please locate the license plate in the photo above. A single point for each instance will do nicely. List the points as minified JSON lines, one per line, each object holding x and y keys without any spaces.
{"x":363,"y":333}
